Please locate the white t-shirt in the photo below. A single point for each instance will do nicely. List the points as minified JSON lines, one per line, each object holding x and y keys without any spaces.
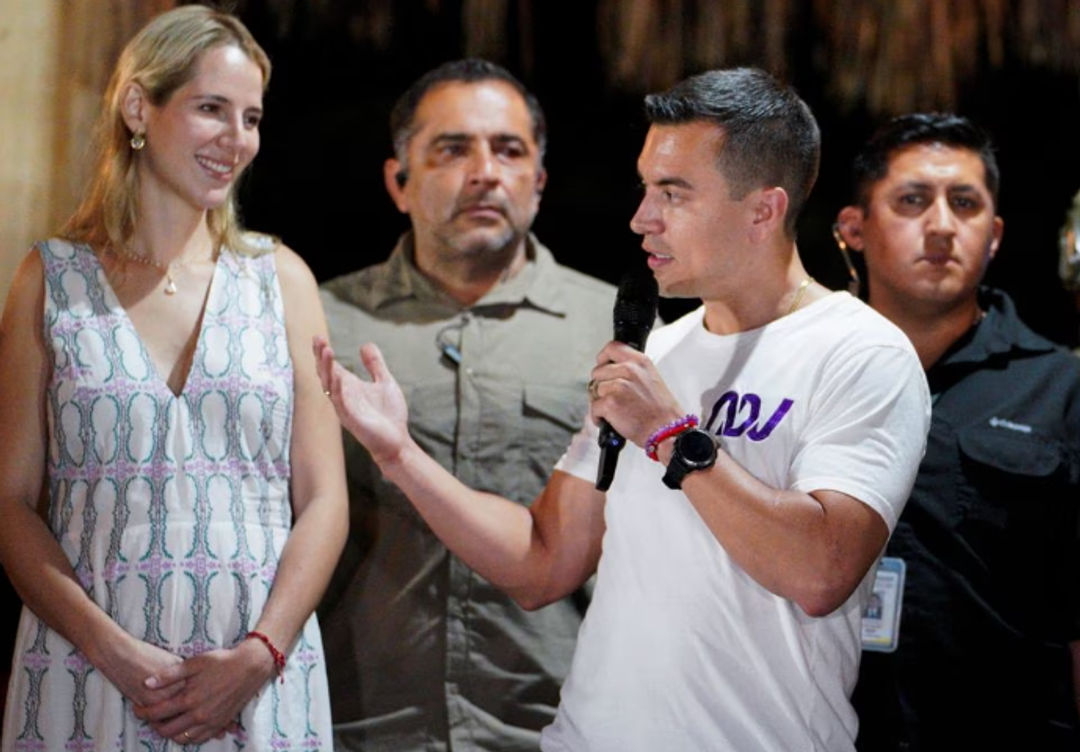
{"x":680,"y":648}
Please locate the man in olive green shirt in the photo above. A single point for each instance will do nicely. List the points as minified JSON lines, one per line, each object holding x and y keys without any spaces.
{"x":493,"y":342}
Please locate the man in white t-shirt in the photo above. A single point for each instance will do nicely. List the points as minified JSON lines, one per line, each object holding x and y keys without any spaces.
{"x":734,"y":565}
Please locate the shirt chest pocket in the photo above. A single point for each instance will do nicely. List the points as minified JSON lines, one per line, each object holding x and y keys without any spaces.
{"x":537,"y":433}
{"x":1011,"y":492}
{"x":498,"y":434}
{"x":550,"y":415}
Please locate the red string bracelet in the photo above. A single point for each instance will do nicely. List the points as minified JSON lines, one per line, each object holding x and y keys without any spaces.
{"x":674,"y":428}
{"x":279,"y":657}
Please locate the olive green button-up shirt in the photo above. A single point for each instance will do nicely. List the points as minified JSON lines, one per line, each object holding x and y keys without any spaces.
{"x":422,"y":653}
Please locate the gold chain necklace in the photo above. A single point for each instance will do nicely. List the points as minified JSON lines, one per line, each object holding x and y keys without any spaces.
{"x":170,"y":269}
{"x":799,"y":295}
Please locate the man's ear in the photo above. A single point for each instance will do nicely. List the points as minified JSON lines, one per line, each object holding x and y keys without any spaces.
{"x":396,"y":177}
{"x":541,"y":180}
{"x":134,"y":107}
{"x":848,"y":228}
{"x":769,"y":208}
{"x":998,"y":231}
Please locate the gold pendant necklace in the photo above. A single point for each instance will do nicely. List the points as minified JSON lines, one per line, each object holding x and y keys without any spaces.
{"x":169,"y":269}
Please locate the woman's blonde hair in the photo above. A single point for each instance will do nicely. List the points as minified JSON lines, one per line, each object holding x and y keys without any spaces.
{"x":161,"y":58}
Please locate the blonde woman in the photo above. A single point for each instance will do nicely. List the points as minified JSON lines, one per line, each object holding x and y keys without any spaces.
{"x":159,"y":398}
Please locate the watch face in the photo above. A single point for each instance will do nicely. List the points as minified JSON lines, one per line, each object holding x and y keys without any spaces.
{"x":697,"y":447}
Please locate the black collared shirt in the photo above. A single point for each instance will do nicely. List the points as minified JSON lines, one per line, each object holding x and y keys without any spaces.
{"x":990,"y":540}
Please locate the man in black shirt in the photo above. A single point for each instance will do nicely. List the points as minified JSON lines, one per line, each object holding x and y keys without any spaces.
{"x":991,"y":606}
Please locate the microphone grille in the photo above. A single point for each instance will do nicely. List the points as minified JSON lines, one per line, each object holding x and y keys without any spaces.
{"x":635,"y":306}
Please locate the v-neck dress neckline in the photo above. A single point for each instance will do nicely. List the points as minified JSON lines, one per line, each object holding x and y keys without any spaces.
{"x":112,"y":300}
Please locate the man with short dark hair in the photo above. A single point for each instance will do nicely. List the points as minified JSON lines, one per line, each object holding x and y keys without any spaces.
{"x":424,"y":654}
{"x":772,"y":437}
{"x":991,"y":604}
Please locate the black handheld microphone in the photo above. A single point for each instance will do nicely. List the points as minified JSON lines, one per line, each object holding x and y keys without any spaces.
{"x":634,"y":314}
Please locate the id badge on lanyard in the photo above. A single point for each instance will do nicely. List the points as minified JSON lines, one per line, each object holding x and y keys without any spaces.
{"x":881,"y":616}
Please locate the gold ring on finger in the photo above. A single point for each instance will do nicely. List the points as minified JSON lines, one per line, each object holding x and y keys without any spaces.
{"x":594,"y":389}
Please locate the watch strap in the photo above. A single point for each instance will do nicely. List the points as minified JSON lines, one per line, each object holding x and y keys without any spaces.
{"x":679,"y":466}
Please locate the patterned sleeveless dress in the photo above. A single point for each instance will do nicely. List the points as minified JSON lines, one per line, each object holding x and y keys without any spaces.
{"x":173,"y":510}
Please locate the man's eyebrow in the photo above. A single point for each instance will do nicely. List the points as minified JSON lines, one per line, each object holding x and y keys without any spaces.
{"x":453,"y":137}
{"x":922,"y":185}
{"x":919,"y":185}
{"x":673,"y":182}
{"x":964,"y":188}
{"x":505,"y":137}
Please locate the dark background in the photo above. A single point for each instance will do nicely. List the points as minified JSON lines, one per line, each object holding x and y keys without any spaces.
{"x":318,"y":179}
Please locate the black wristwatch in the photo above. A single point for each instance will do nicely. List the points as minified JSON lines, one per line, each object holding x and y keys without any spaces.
{"x":694,"y":450}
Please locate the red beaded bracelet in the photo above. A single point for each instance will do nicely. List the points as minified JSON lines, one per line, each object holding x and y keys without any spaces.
{"x":279,"y":657}
{"x":673,"y":428}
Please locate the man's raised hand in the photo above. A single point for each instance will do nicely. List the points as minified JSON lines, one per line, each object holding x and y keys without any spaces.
{"x":373,"y":411}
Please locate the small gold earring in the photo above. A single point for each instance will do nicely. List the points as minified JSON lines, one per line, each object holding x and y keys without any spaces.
{"x":138,"y":141}
{"x":853,"y":283}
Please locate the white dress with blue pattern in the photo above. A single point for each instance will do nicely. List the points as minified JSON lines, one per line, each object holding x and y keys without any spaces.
{"x":173,"y":510}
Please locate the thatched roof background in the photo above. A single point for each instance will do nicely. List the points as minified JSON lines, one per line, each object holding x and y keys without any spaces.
{"x":1011,"y":64}
{"x":887,"y":55}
